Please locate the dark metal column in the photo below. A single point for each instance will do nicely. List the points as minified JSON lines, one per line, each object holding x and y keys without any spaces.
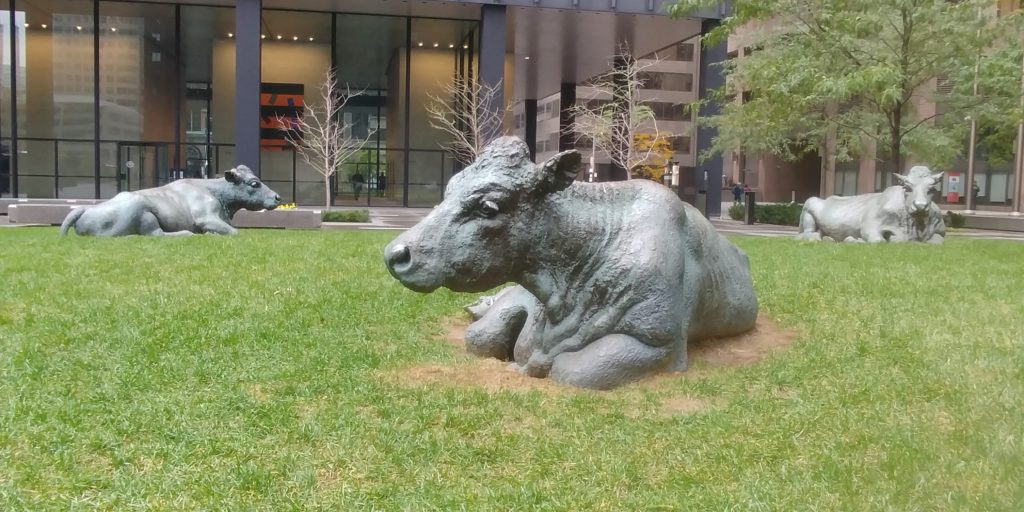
{"x":14,"y":104}
{"x":95,"y":94}
{"x":530,"y":120}
{"x":408,"y":99}
{"x":179,"y":80}
{"x":712,"y":77}
{"x":247,"y":83}
{"x":492,"y":54}
{"x":566,"y":118}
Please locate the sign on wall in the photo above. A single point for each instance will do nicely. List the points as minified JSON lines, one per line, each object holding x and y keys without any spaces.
{"x":284,"y":101}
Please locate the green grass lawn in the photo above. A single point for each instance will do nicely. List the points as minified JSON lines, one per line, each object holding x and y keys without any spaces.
{"x":256,"y":372}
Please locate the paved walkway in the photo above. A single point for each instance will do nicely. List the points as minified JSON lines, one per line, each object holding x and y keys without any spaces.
{"x":405,"y":218}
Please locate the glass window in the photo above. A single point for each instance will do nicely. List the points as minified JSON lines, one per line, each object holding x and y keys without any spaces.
{"x":138,"y":77}
{"x":5,"y":99}
{"x":669,"y":111}
{"x":371,"y":56}
{"x":55,"y":69}
{"x":55,"y":98}
{"x":683,"y":52}
{"x":667,"y":81}
{"x":208,"y":109}
{"x":680,"y":144}
{"x":435,"y":51}
{"x":846,"y":178}
{"x":296,"y":55}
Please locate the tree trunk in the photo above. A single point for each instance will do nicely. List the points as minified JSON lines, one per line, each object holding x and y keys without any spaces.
{"x":327,"y":192}
{"x":895,"y":146}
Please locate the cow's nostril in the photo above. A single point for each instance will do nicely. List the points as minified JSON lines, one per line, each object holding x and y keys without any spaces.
{"x":277,"y":197}
{"x":399,"y":255}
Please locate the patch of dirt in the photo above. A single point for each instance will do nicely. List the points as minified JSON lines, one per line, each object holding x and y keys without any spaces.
{"x":257,"y":392}
{"x":743,"y":350}
{"x":455,"y":330}
{"x":493,"y":375}
{"x":483,"y":373}
{"x":683,"y":405}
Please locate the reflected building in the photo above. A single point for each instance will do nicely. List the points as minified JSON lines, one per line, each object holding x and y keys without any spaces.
{"x":103,"y":96}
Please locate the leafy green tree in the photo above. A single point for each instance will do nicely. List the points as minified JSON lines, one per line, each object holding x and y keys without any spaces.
{"x":865,"y":72}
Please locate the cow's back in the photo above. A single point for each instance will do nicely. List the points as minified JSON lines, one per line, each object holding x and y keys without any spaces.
{"x":180,"y":204}
{"x":726,"y":303}
{"x":840,"y":217}
{"x":711,"y":276}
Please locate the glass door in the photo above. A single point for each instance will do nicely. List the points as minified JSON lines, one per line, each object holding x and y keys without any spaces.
{"x":143,"y":166}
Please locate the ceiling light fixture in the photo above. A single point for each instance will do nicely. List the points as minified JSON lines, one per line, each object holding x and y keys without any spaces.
{"x":435,"y":45}
{"x":295,"y":38}
{"x":465,"y":47}
{"x":451,"y":45}
{"x":78,"y":27}
{"x":263,"y":36}
{"x":43,"y":25}
{"x":113,"y":29}
{"x":26,"y":25}
{"x":420,"y":43}
{"x":527,"y":57}
{"x":230,"y":34}
{"x":279,"y":36}
{"x":310,"y":38}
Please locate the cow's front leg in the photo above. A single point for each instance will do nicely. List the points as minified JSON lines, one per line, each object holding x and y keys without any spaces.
{"x":611,"y":361}
{"x":500,"y":326}
{"x":217,"y":226}
{"x":936,"y":239}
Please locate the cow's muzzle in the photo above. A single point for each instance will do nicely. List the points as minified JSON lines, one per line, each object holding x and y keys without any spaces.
{"x":397,"y":257}
{"x":414,"y":275}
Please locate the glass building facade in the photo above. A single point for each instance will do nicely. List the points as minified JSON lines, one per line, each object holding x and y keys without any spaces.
{"x":98,"y":97}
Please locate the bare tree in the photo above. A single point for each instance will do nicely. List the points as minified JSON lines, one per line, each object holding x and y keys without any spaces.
{"x":615,"y":115}
{"x":321,"y":135}
{"x":470,"y":116}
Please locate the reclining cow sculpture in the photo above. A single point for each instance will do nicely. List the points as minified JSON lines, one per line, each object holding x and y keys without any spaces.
{"x":900,"y":213}
{"x":182,"y":207}
{"x":615,"y":278}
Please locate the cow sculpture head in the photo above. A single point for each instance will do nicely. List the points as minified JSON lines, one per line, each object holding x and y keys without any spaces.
{"x":918,"y":186}
{"x":247,"y":191}
{"x":483,"y":232}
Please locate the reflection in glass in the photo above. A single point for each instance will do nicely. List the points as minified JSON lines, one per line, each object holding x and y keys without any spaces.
{"x":138,"y":75}
{"x":370,"y":56}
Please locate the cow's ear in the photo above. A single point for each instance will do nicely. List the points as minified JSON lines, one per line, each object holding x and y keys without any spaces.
{"x":232,"y":176}
{"x":937,"y":177}
{"x":900,"y":178}
{"x":560,"y":170}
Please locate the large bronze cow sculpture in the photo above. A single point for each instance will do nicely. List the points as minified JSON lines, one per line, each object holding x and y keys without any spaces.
{"x":615,"y":278}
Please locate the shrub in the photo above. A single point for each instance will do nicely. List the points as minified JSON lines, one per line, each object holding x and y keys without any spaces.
{"x":779,"y":214}
{"x":346,"y":216}
{"x":954,"y":220}
{"x":736,"y":212}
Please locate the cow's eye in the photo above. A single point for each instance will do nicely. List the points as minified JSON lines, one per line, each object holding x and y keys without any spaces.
{"x":255,"y":184}
{"x":488,"y":209}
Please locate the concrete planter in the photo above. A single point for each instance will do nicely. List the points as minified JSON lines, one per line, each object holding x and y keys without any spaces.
{"x":282,"y":219}
{"x":7,"y":202}
{"x":52,"y":214}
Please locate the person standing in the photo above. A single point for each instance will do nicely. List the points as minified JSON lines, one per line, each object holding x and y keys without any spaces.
{"x":357,"y":184}
{"x":737,"y":193}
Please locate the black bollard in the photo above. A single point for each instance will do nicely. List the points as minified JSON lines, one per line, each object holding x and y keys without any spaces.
{"x":748,"y":216}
